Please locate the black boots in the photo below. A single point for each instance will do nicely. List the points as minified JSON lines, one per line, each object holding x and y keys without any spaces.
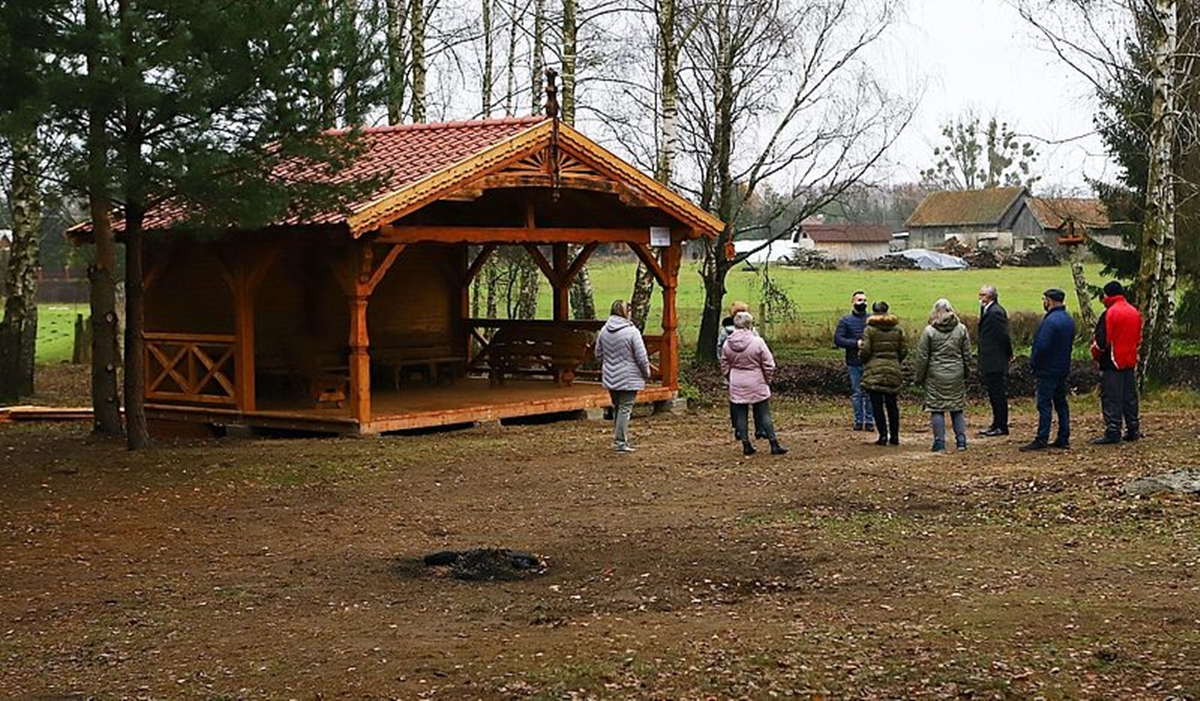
{"x":776,"y":449}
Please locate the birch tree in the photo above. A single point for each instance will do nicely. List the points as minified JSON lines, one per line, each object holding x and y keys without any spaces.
{"x":1132,"y":48}
{"x":795,"y":74}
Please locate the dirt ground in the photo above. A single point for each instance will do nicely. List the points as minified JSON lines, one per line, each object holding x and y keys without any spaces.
{"x":268,"y":568}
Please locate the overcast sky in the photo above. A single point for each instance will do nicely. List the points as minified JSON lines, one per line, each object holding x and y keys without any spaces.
{"x":980,"y":54}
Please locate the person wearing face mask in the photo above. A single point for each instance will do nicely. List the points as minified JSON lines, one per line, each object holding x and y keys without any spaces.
{"x":1050,"y":361}
{"x":995,"y":353}
{"x":849,"y":332}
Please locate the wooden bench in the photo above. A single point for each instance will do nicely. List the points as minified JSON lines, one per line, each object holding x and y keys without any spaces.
{"x":435,"y":362}
{"x":536,"y":349}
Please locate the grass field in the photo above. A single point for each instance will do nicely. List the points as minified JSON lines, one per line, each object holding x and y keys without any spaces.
{"x":820,"y":297}
{"x":56,"y":331}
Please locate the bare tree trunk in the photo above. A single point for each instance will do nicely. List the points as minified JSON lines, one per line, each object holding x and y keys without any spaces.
{"x":137,"y":435}
{"x":1086,"y":314}
{"x":716,"y":266}
{"x":582,"y":295}
{"x":668,"y":141}
{"x":1157,"y":274}
{"x":492,"y":270}
{"x":570,"y":48}
{"x":713,"y":274}
{"x":396,"y":79}
{"x":529,"y":279}
{"x":328,"y":102}
{"x":537,"y":62}
{"x":106,"y":400}
{"x":417,"y":23}
{"x":511,"y":65}
{"x":488,"y":59}
{"x":18,"y":332}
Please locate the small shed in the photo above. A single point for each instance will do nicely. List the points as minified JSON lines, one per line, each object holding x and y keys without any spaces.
{"x":359,"y":321}
{"x":969,"y":216}
{"x":1049,"y":218}
{"x":846,"y":242}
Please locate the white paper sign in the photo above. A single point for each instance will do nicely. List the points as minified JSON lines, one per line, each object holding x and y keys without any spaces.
{"x":660,"y":236}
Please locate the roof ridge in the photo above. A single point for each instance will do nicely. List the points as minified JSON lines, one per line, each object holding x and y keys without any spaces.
{"x":461,"y":124}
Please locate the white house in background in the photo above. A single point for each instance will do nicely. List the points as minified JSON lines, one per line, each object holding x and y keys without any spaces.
{"x":845,"y":242}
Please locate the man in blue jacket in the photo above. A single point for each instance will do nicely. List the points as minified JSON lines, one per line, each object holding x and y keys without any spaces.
{"x":1050,"y":361}
{"x":848,"y":336}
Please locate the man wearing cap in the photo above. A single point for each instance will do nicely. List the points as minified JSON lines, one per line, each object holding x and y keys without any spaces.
{"x":1115,"y":351}
{"x":1050,"y":361}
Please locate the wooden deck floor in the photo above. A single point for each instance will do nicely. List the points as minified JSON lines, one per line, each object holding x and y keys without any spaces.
{"x":419,"y":406}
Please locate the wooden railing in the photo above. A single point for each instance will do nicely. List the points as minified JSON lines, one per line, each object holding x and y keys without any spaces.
{"x":191,"y":368}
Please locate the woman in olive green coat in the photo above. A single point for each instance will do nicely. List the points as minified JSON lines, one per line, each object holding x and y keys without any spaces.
{"x":882,"y":350}
{"x":943,"y":360}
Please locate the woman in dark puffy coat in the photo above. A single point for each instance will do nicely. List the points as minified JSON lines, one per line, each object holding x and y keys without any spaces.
{"x":882,"y":350}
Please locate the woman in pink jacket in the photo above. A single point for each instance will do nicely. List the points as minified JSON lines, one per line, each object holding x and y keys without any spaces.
{"x":748,"y":363}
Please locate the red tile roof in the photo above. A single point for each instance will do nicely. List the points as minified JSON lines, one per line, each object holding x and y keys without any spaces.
{"x":970,"y":207}
{"x":848,"y":233}
{"x":400,"y":155}
{"x":1052,"y":213}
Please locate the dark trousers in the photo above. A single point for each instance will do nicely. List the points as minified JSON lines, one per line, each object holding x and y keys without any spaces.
{"x":887,"y":414}
{"x":763,"y":426}
{"x":1052,"y":393}
{"x":997,"y":389}
{"x":1119,"y":402}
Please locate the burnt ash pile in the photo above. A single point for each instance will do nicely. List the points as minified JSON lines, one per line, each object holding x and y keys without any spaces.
{"x":487,"y":564}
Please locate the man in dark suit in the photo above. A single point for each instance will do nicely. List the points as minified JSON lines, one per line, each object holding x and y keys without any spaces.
{"x":995,"y":353}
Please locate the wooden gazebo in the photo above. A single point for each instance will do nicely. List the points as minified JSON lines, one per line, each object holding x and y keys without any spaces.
{"x":360,"y":322}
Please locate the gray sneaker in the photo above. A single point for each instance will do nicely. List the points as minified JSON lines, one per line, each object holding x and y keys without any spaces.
{"x":625,"y":448}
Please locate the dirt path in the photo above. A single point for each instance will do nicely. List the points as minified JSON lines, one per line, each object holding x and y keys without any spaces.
{"x":291,"y":568}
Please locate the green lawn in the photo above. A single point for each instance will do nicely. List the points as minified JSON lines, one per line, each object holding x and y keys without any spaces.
{"x":56,"y":331}
{"x":820,"y":297}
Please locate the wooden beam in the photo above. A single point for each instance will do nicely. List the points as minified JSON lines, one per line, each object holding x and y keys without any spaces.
{"x":509,"y":234}
{"x":245,"y":391}
{"x":377,"y":276}
{"x":580,"y":260}
{"x":479,"y":262}
{"x":262,"y":265}
{"x":562,"y":288}
{"x":590,"y":183}
{"x":647,"y":256}
{"x":542,"y":263}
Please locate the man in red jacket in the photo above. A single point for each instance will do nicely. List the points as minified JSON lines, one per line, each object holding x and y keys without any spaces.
{"x":1115,"y":351}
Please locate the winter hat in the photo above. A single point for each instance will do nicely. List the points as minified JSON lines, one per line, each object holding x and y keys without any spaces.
{"x":1113,"y":289}
{"x":880,"y":307}
{"x":1055,"y":294}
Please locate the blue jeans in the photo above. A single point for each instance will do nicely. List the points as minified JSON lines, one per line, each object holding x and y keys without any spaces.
{"x":622,"y":409}
{"x":1052,"y":392}
{"x":859,"y":399}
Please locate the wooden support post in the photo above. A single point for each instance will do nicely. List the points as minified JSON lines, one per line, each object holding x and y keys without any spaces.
{"x":243,"y":331}
{"x":669,"y":360}
{"x":360,"y":360}
{"x":562,"y":288}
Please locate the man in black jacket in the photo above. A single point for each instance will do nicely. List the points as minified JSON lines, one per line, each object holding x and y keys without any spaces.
{"x":995,"y":353}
